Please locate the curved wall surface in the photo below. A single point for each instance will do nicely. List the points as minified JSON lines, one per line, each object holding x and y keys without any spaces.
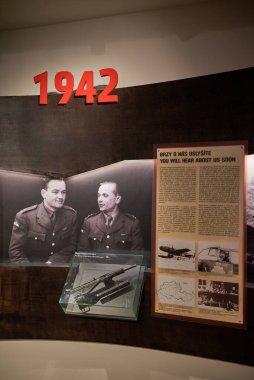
{"x":44,"y":360}
{"x":147,"y":47}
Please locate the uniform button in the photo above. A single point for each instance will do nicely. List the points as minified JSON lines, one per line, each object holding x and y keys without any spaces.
{"x":94,"y":238}
{"x":82,"y":231}
{"x":53,"y":234}
{"x":53,"y":244}
{"x":52,"y":253}
{"x":107,"y":246}
{"x":35,"y":238}
{"x":123,"y":241}
{"x":108,"y":236}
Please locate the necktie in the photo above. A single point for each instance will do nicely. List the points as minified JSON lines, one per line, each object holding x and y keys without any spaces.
{"x":53,"y":218}
{"x":109,"y":221}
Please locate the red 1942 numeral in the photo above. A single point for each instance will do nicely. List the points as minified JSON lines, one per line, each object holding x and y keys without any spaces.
{"x":106,"y":96}
{"x":86,"y":88}
{"x":64,"y":82}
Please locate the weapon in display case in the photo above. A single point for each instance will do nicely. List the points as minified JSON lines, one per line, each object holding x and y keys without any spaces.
{"x":87,"y":294}
{"x":104,"y":285}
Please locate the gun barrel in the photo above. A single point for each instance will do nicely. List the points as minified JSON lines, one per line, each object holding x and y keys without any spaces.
{"x":130,"y":267}
{"x":91,"y":283}
{"x":106,"y":278}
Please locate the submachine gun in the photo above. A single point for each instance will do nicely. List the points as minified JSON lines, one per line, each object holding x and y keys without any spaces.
{"x":86,"y":294}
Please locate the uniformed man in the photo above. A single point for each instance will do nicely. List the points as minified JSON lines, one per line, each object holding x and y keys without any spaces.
{"x":110,"y":229}
{"x":47,"y":232}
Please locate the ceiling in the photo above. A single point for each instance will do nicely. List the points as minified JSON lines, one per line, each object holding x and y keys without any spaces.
{"x":16,"y":14}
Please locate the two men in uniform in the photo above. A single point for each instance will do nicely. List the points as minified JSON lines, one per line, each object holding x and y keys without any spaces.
{"x":47,"y":232}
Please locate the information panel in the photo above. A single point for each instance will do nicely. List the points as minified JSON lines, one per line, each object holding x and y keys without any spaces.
{"x":199,"y":232}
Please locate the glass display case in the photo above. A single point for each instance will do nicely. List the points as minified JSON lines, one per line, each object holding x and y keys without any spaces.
{"x":105,"y":285}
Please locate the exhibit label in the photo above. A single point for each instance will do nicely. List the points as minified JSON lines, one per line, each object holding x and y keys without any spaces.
{"x":199,"y":233}
{"x":64,"y":82}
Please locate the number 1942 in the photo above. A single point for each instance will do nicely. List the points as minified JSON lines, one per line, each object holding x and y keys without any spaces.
{"x":64,"y":82}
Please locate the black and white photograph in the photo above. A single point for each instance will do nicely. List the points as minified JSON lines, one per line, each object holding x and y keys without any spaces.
{"x":26,"y":227}
{"x":218,"y":295}
{"x":218,"y":257}
{"x":45,"y":232}
{"x":46,"y":219}
{"x":114,"y":206}
{"x":176,"y":254}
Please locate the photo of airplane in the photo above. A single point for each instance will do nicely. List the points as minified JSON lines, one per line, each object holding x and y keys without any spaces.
{"x":175,"y":253}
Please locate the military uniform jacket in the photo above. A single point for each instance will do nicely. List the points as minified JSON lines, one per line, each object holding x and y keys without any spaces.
{"x":124,"y":234}
{"x":35,"y":239}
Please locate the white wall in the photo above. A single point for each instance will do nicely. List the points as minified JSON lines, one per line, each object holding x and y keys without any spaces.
{"x":48,"y":360}
{"x":180,"y":42}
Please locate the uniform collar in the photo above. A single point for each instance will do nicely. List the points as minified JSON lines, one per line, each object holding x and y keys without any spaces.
{"x":43,"y":218}
{"x":114,"y":214}
{"x":49,"y":212}
{"x":118,"y":223}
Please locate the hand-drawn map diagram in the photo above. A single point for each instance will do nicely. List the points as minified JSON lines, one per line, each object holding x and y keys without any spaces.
{"x":176,"y":291}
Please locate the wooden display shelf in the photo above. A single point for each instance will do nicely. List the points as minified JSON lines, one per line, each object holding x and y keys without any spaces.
{"x":29,"y":309}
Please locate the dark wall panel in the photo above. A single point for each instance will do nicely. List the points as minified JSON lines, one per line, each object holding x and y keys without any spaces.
{"x":76,"y":138}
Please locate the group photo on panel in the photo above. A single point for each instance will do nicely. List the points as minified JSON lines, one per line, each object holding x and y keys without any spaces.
{"x":65,"y":220}
{"x":48,"y":232}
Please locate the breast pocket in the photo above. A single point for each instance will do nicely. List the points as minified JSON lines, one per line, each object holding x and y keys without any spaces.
{"x":66,"y":232}
{"x":36,"y":239}
{"x":123,"y":241}
{"x":95,"y":240}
